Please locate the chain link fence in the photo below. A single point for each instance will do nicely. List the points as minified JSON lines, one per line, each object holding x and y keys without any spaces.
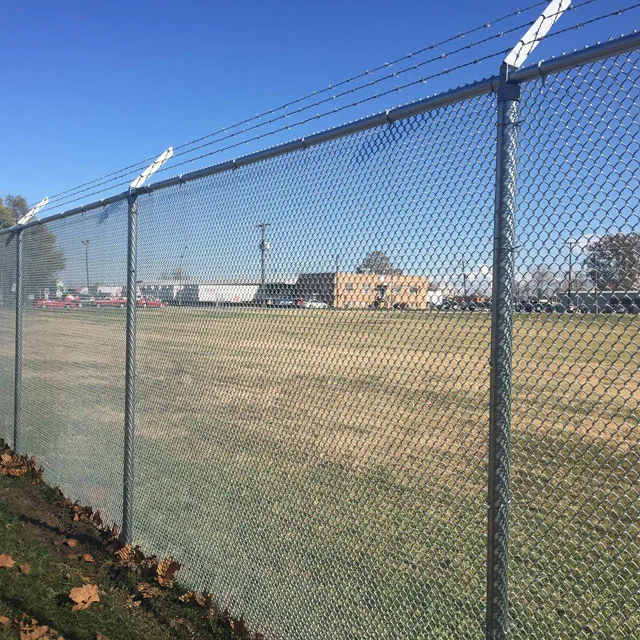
{"x":575,"y":568}
{"x":313,"y":369}
{"x":7,"y":334}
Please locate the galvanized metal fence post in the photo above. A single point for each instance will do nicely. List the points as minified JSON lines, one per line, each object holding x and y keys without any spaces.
{"x":130,"y":368}
{"x":501,"y":356}
{"x":17,"y":399}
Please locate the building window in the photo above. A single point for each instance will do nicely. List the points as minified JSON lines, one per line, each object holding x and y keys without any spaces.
{"x":348,"y":286}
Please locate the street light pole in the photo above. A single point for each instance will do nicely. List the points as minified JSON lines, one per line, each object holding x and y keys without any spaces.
{"x":86,"y":261}
{"x":464,"y":280}
{"x":264,"y":247}
{"x":571,"y":244}
{"x":594,"y":260}
{"x":180,"y":273}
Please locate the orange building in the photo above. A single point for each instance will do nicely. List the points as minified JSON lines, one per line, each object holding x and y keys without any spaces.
{"x":372,"y":290}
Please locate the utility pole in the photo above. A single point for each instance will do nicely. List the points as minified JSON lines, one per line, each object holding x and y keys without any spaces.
{"x":570,"y":243}
{"x":180,"y":274}
{"x":594,"y":261}
{"x":86,"y":261}
{"x":264,"y":247}
{"x":464,"y":280}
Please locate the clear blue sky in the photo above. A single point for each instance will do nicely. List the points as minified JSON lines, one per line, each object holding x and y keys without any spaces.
{"x":91,"y":87}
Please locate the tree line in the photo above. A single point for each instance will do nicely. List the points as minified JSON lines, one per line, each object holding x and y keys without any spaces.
{"x":42,"y":258}
{"x":607,"y":263}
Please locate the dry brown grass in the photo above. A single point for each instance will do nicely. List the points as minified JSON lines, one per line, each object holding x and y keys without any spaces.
{"x":355,"y":388}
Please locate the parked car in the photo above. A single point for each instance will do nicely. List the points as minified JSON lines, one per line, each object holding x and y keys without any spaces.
{"x":56,"y":304}
{"x":314,"y":304}
{"x":118,"y":302}
{"x":151,"y":303}
{"x":285,"y":302}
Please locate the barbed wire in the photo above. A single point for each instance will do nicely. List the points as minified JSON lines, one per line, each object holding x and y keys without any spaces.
{"x":420,"y":80}
{"x":71,"y":198}
{"x":320,"y":102}
{"x":330,"y":87}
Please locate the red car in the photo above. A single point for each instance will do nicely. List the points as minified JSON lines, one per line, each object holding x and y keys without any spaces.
{"x":56,"y":304}
{"x":151,"y":303}
{"x":118,"y":302}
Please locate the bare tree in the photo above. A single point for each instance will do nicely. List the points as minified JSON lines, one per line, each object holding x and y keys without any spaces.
{"x":613,"y":262}
{"x":378,"y":262}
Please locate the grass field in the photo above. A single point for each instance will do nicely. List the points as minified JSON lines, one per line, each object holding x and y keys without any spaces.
{"x":325,"y":472}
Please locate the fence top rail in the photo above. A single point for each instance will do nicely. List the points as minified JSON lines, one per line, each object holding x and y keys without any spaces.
{"x":623,"y":44}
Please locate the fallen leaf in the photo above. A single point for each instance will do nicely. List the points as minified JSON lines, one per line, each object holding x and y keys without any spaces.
{"x":81,"y":513}
{"x":17,"y":471}
{"x":97,"y":520}
{"x":166,"y":571}
{"x":113,"y":531}
{"x":71,"y":542}
{"x":84,"y":596}
{"x":203,"y":599}
{"x":4,"y":621}
{"x":125,"y":554}
{"x":87,"y":557}
{"x":240,"y":628}
{"x":35,"y":631}
{"x":145,"y":590}
{"x":6,"y":561}
{"x":6,"y":458}
{"x":101,"y":636}
{"x":37,"y":479}
{"x":25,"y":569}
{"x":130,"y":555}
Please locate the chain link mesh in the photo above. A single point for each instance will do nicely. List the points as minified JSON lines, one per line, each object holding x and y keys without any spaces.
{"x":312,"y":389}
{"x":574,"y":569}
{"x":319,"y":433}
{"x":73,"y":355}
{"x":7,"y":334}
